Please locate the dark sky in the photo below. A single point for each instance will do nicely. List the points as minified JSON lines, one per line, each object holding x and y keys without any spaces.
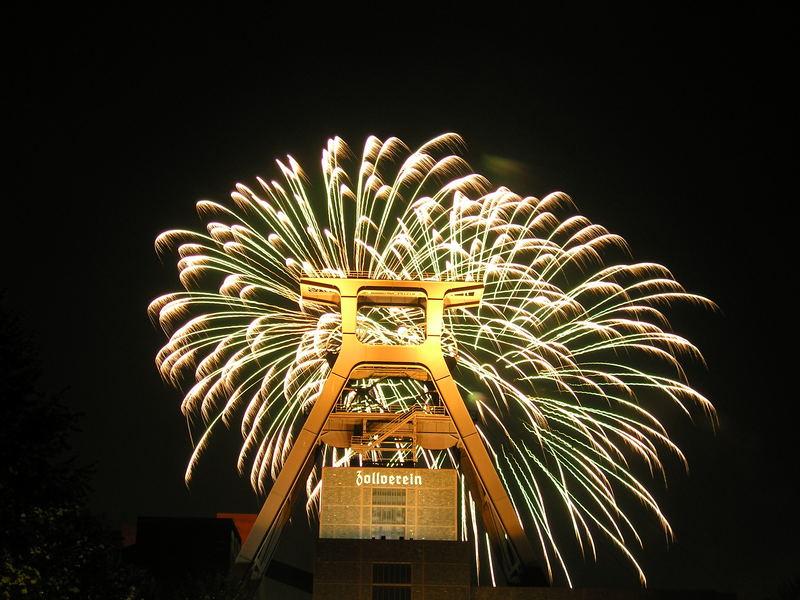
{"x":670,"y":129}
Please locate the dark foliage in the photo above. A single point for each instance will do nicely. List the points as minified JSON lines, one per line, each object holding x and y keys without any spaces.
{"x":50,"y":546}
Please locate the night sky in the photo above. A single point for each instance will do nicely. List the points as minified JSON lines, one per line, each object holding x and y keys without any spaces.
{"x":669,"y":129}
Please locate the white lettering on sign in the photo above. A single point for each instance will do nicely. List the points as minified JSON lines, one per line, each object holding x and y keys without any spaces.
{"x":376,"y":478}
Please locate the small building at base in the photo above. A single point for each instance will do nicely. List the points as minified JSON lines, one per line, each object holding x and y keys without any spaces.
{"x":390,"y":534}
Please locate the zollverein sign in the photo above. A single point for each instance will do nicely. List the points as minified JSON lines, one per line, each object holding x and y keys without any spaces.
{"x":378,"y":478}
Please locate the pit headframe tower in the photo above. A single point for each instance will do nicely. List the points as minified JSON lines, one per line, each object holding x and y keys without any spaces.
{"x":424,"y":362}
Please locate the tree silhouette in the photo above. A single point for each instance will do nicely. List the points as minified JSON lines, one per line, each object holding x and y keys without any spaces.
{"x":51,"y":546}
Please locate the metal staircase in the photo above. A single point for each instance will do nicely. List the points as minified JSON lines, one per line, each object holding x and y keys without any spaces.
{"x":394,"y":436}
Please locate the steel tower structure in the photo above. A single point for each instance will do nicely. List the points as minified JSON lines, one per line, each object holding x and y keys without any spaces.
{"x":447,"y":425}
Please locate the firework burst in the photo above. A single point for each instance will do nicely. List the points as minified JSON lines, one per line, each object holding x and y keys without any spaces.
{"x":567,"y":362}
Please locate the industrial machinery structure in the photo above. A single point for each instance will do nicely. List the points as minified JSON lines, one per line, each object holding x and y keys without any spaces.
{"x":439,"y":421}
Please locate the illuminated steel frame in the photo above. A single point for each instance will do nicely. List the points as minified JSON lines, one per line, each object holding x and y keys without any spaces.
{"x":357,"y":359}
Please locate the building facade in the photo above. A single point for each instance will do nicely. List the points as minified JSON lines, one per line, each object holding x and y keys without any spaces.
{"x":390,"y":504}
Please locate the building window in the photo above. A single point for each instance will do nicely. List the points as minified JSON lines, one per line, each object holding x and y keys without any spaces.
{"x":393,"y":515}
{"x":388,"y":518}
{"x":391,"y":581}
{"x":389,"y":496}
{"x":391,"y":592}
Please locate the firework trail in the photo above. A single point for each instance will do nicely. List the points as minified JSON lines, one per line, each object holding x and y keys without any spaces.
{"x":567,"y":362}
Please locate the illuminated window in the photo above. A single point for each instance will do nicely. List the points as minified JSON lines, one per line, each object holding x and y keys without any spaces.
{"x":388,"y":513}
{"x":389,"y":496}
